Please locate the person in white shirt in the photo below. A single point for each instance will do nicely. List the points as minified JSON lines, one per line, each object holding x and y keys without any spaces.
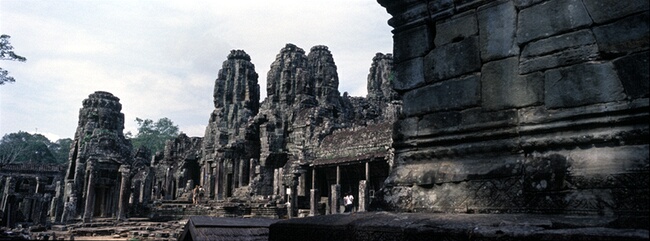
{"x":348,"y":201}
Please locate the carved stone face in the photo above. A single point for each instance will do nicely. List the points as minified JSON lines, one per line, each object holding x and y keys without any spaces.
{"x":106,"y":143}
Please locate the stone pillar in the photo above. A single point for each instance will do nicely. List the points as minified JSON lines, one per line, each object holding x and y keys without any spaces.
{"x":338,"y":175}
{"x":313,"y":178}
{"x":136,"y":192}
{"x":146,"y":192}
{"x":251,"y":170}
{"x":301,"y":184}
{"x":363,"y":196}
{"x":218,"y":183}
{"x":314,"y":197}
{"x":335,"y":198}
{"x":38,"y":185}
{"x":368,"y":171}
{"x":240,"y":173}
{"x":235,"y":175}
{"x":122,"y":204}
{"x":55,"y":211}
{"x":90,"y":197}
{"x":7,"y":190}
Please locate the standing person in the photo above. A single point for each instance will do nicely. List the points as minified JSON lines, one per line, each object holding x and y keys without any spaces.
{"x":195,"y":194}
{"x":201,"y":194}
{"x":348,"y":200}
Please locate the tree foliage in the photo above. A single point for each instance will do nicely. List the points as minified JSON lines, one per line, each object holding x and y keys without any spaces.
{"x":7,"y":53}
{"x":23,"y":147}
{"x":153,"y":135}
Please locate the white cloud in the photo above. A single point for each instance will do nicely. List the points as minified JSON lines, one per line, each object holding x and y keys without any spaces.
{"x":161,"y":57}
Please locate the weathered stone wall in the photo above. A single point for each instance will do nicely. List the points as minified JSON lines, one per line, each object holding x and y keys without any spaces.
{"x":521,"y":106}
{"x":27,"y":192}
{"x":176,"y":170}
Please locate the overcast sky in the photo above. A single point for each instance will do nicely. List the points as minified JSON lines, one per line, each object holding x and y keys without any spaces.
{"x":161,"y":57}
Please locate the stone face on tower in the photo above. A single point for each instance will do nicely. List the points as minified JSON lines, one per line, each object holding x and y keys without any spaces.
{"x":380,"y":88}
{"x":250,"y":153}
{"x":229,"y":140}
{"x":100,"y":162}
{"x":521,"y":106}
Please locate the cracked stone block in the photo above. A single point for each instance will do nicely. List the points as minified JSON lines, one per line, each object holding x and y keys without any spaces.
{"x":550,"y":18}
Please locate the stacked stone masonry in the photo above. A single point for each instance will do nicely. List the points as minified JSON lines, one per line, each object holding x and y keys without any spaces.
{"x":535,"y":106}
{"x":97,"y":180}
{"x":275,"y":156}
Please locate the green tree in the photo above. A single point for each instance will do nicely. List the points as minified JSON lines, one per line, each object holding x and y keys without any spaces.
{"x":7,"y":53}
{"x":153,"y":135}
{"x":61,"y":149}
{"x":23,"y":147}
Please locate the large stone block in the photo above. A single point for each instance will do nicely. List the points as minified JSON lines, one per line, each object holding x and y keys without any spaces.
{"x":550,"y":18}
{"x":561,"y":50}
{"x":458,"y":169}
{"x":587,"y":179}
{"x":633,"y":70}
{"x":452,"y":60}
{"x":406,"y":128}
{"x":604,"y":10}
{"x":409,"y":74}
{"x":456,"y":29}
{"x":435,"y":122}
{"x":502,"y":87}
{"x":478,"y":117}
{"x":624,"y":36}
{"x":411,"y":43}
{"x":497,"y":27}
{"x":582,"y":84}
{"x":453,"y":94}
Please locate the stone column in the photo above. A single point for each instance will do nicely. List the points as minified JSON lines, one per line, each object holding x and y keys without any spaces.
{"x":240,"y":173}
{"x":90,"y":197}
{"x":219,"y":180}
{"x":338,"y":175}
{"x":122,"y":204}
{"x":334,"y":198}
{"x":236,"y":177}
{"x":313,"y":178}
{"x":314,"y":197}
{"x":146,"y":192}
{"x":6,"y":192}
{"x":368,"y":171}
{"x":251,"y":170}
{"x":38,"y":184}
{"x":55,"y":212}
{"x":136,"y":192}
{"x":363,"y":196}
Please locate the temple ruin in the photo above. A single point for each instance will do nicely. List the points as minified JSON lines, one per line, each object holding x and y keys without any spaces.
{"x":517,"y":108}
{"x":98,"y":177}
{"x":29,"y":193}
{"x":296,"y":151}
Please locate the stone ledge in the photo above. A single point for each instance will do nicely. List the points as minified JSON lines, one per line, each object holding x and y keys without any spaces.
{"x":418,"y":226}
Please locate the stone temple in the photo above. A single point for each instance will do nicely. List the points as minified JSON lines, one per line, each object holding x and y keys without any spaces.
{"x":97,"y":179}
{"x":491,"y":120}
{"x":297,"y":150}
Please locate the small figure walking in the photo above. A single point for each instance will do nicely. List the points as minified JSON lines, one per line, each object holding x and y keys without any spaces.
{"x":195,"y":195}
{"x":201,"y":194}
{"x":348,"y":201}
